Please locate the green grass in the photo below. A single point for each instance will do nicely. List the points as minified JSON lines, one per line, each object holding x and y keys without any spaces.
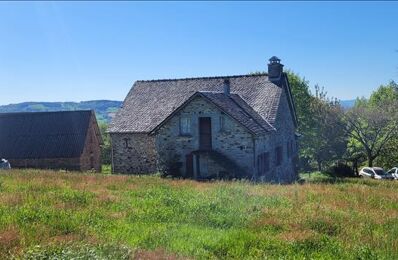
{"x":48,"y":214}
{"x":106,"y":169}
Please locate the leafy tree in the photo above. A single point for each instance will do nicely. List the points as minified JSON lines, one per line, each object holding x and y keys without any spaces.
{"x":326,"y":141}
{"x":354,"y":154}
{"x":106,"y":147}
{"x":384,"y":94}
{"x":302,"y":98}
{"x":387,"y":94}
{"x":323,"y":138}
{"x":373,"y":125}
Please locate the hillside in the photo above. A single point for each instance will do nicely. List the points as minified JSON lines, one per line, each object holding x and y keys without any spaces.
{"x":104,"y":109}
{"x":55,"y":215}
{"x":347,"y":103}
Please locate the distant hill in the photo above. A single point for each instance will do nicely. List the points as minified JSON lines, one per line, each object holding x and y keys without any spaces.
{"x":347,"y":103}
{"x":104,"y":109}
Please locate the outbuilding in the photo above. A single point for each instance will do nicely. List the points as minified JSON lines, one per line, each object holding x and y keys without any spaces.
{"x":67,"y":140}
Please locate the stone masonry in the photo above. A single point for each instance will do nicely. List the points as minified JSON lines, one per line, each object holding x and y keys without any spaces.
{"x":251,"y":120}
{"x":133,"y":153}
{"x":235,"y":142}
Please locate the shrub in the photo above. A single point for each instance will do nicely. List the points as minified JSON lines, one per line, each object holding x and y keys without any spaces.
{"x":341,"y":170}
{"x":171,"y":166}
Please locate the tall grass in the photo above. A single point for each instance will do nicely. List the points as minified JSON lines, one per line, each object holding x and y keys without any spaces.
{"x":72,"y":215}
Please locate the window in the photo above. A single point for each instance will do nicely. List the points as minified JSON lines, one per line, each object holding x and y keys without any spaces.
{"x":223,"y":125}
{"x":126,"y":142}
{"x":278,"y":155}
{"x":185,"y":125}
{"x":263,"y":163}
{"x":368,"y":171}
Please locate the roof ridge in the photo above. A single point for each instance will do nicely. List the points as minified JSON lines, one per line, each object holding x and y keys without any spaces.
{"x":209,"y":77}
{"x":43,"y":112}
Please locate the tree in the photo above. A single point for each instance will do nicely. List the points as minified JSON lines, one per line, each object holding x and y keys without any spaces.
{"x":354,"y":154}
{"x":326,"y":141}
{"x":323,"y":138}
{"x":373,"y":126}
{"x":302,"y":98}
{"x":387,"y":94}
{"x":106,"y":147}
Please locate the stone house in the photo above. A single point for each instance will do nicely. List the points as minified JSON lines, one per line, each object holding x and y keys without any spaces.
{"x":211,"y":127}
{"x":67,"y":140}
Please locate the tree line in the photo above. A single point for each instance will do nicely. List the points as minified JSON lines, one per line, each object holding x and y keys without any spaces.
{"x":341,"y":140}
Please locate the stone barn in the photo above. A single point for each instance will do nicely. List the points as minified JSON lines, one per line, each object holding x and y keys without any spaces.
{"x":240,"y":126}
{"x":67,"y":140}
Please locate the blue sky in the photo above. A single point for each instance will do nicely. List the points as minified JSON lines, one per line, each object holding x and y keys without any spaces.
{"x":73,"y":51}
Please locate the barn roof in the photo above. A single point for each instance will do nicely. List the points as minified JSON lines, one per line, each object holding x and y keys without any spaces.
{"x":43,"y":134}
{"x":150,"y":102}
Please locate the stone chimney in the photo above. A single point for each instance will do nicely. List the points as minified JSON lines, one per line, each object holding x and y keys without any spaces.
{"x":227,"y":87}
{"x":275,"y":69}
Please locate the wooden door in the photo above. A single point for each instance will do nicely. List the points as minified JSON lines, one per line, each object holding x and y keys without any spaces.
{"x":204,"y":133}
{"x":189,"y":165}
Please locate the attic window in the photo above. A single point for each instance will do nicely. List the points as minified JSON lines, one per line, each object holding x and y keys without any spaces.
{"x":223,"y":124}
{"x":185,"y":125}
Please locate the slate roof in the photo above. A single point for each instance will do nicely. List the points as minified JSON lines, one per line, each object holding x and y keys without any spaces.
{"x":238,"y":109}
{"x":232,"y":105}
{"x":150,"y":102}
{"x":43,"y":134}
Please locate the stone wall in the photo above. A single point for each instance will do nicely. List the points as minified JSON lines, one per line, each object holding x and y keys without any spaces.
{"x":91,"y":156}
{"x":72,"y":164}
{"x":286,"y":172}
{"x":133,"y":153}
{"x":234,"y":142}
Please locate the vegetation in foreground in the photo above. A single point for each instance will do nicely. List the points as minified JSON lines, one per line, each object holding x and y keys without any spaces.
{"x":47,"y":214}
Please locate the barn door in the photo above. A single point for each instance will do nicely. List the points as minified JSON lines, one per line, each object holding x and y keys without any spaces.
{"x":205,"y":133}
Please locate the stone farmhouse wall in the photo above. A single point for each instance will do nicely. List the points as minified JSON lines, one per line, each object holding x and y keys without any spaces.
{"x":137,"y":153}
{"x":286,"y":171}
{"x":236,"y":143}
{"x":133,"y":153}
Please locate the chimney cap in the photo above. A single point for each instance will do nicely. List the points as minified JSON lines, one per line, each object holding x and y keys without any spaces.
{"x":274,"y":59}
{"x":226,"y":81}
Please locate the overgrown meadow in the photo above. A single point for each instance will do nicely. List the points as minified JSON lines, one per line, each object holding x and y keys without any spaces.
{"x":48,"y":214}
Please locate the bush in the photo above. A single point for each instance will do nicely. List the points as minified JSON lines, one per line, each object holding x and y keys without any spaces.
{"x":340,"y":170}
{"x":171,"y":166}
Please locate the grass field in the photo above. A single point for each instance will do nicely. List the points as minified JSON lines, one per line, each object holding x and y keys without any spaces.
{"x":46,"y":214}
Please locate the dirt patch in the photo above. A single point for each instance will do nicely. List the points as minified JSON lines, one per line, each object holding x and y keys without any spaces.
{"x":9,"y":199}
{"x":9,"y":241}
